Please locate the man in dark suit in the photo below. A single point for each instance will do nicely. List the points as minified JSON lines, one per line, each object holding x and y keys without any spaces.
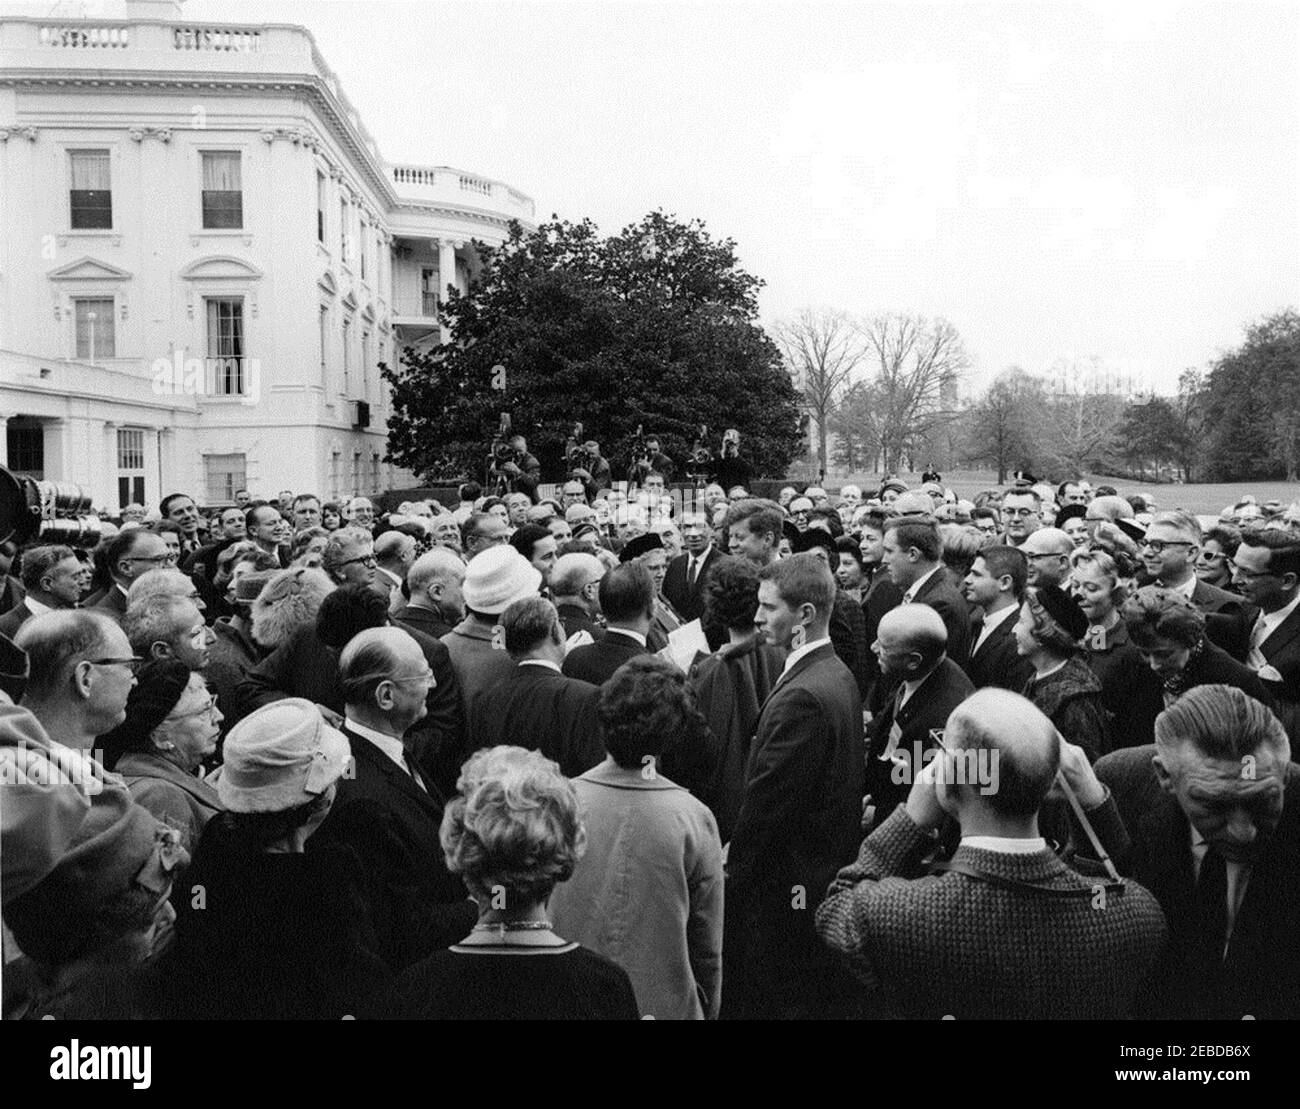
{"x":535,"y":705}
{"x":995,"y":587}
{"x":928,"y":686}
{"x":800,"y":815}
{"x":1005,"y":930}
{"x":684,"y":582}
{"x":435,"y":581}
{"x":1169,"y":551}
{"x":627,"y":598}
{"x":912,"y":551}
{"x":848,"y":627}
{"x":575,"y":588}
{"x":54,"y":578}
{"x":386,"y":809}
{"x":1268,"y":574}
{"x":128,"y":555}
{"x":1213,"y":813}
{"x":879,"y":595}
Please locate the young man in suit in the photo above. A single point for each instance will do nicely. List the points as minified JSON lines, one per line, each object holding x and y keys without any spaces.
{"x":910,"y":644}
{"x":1213,"y":812}
{"x":627,"y":599}
{"x":1268,"y":574}
{"x":912,"y":552}
{"x":799,"y":817}
{"x":996,"y":587}
{"x":684,"y":582}
{"x":386,"y":809}
{"x":535,"y":705}
{"x":1006,"y":930}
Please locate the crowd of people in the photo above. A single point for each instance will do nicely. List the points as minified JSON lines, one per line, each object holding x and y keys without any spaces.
{"x":1025,"y":755}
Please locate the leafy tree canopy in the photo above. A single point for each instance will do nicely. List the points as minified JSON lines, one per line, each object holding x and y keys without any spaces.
{"x":654,"y":326}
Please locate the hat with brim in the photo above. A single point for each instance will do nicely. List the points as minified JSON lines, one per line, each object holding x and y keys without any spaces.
{"x":280,"y":757}
{"x":496,"y":578}
{"x":1132,"y":529}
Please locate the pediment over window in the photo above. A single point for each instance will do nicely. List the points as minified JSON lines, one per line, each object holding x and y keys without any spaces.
{"x":88,"y":269}
{"x":350,"y":302}
{"x":326,"y":281}
{"x":220,"y":267}
{"x":368,"y":313}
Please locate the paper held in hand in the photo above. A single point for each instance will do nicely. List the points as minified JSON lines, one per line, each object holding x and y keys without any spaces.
{"x":684,"y":644}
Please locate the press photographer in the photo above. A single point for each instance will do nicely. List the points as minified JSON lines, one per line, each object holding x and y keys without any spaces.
{"x":647,"y":458}
{"x":732,"y":469}
{"x":510,"y":467}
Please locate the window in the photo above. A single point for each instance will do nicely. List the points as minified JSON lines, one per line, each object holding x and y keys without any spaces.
{"x":320,"y":206}
{"x":226,"y":346}
{"x":225,"y":474}
{"x":356,"y":471}
{"x":343,"y":231}
{"x":428,"y":292}
{"x":223,"y":197}
{"x":94,"y":328}
{"x":362,"y":248}
{"x":347,"y":358}
{"x":336,"y":463}
{"x":365,"y":364}
{"x":324,"y":344}
{"x":91,"y":195}
{"x":130,"y":467}
{"x":26,"y":445}
{"x":375,"y":484}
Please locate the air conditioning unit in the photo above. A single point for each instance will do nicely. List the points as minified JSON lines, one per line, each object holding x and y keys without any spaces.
{"x":362,"y":418}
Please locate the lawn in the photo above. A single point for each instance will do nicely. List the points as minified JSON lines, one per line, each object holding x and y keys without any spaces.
{"x":1204,"y":500}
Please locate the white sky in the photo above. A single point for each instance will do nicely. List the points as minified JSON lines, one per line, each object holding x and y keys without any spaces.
{"x":1118,"y":180}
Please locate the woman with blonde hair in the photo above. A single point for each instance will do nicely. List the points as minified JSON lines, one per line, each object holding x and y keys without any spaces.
{"x":287,"y":602}
{"x":512,"y":833}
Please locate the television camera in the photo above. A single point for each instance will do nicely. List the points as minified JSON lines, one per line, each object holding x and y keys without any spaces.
{"x":48,"y":512}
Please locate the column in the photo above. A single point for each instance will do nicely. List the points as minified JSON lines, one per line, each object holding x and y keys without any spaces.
{"x":4,"y":441}
{"x":446,"y":276}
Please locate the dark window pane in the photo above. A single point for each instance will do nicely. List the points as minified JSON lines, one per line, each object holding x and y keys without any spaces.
{"x":92,"y":209}
{"x":223,"y":209}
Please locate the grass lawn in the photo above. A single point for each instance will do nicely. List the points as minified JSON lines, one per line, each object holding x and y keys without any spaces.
{"x":1204,"y":500}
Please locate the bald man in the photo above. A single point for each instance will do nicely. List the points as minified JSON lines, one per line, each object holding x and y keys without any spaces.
{"x":394,"y":556}
{"x":575,"y":588}
{"x":435,"y":581}
{"x":1005,"y":930}
{"x":911,"y":645}
{"x":387,"y":809}
{"x":1048,"y":551}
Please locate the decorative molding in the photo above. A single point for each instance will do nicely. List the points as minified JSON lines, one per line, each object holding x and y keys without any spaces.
{"x":220,"y":267}
{"x":29,"y":133}
{"x":88,"y":269}
{"x":326,"y":281}
{"x":138,"y":134}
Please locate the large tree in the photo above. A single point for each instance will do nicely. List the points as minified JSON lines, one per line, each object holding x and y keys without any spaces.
{"x":654,"y":327}
{"x":918,"y":364}
{"x":1003,"y":426}
{"x":823,"y":348}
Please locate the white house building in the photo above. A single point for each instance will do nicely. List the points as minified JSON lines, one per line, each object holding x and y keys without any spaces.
{"x":203,"y":259}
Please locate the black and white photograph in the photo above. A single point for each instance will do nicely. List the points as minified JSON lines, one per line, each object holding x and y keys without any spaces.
{"x":662,"y":511}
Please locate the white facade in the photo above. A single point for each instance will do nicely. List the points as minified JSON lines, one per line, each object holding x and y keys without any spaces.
{"x":203,"y":259}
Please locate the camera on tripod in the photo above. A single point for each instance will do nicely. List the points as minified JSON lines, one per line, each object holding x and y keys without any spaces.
{"x":699,"y":463}
{"x":576,"y":455}
{"x":640,"y":451}
{"x":46,"y":511}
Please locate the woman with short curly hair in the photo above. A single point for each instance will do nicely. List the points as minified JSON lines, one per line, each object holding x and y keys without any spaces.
{"x":512,"y":834}
{"x":648,"y":893}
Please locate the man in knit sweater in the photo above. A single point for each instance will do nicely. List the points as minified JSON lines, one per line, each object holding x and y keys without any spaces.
{"x":1005,"y":930}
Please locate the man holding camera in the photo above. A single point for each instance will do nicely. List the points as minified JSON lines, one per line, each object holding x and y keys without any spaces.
{"x":730,"y":469}
{"x":647,"y":458}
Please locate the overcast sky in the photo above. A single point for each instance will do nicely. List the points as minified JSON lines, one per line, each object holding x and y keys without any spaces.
{"x":1120,"y":181}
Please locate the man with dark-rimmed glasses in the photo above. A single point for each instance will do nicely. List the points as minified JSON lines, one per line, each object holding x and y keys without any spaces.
{"x":1169,"y":551}
{"x":128,"y":555}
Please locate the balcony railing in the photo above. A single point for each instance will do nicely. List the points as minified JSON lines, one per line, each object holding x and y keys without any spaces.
{"x":443,"y":183}
{"x":243,"y":39}
{"x":82,"y":36}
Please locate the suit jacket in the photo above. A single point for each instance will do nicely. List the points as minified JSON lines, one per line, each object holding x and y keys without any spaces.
{"x":11,"y":592}
{"x":881,"y":595}
{"x":942,"y":596}
{"x":1115,"y":660}
{"x":1135,"y":726}
{"x":415,"y":905}
{"x":686,"y":598}
{"x":574,"y":619}
{"x":1260,"y":975}
{"x":848,"y":633}
{"x":423,"y":620}
{"x":478,"y":664}
{"x":15,"y":618}
{"x":535,"y":707}
{"x":596,"y":662}
{"x":951,"y":945}
{"x":798,"y":824}
{"x":112,"y":603}
{"x":997,"y":662}
{"x":926,"y":710}
{"x":1281,"y":650}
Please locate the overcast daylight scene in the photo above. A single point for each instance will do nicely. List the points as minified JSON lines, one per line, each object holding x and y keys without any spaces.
{"x":651,"y":510}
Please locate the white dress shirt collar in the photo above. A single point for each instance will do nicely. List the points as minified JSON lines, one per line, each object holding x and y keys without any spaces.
{"x":637,"y":636}
{"x":546,"y":662}
{"x":36,"y":607}
{"x":993,"y":621}
{"x":389,"y":745}
{"x":1006,"y":845}
{"x":799,"y":652}
{"x":1271,"y":620}
{"x":915,"y":587}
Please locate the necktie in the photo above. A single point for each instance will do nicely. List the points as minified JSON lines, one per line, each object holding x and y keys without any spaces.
{"x":895,"y":729}
{"x":692,"y":569}
{"x":1212,"y":907}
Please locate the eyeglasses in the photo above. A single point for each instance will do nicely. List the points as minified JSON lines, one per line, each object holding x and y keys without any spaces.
{"x":1046,"y":554}
{"x":1250,"y":575}
{"x":365,"y":560}
{"x":134,"y":662}
{"x":207,"y":709}
{"x":1210,"y":556}
{"x":168,"y":559}
{"x":1158,"y":545}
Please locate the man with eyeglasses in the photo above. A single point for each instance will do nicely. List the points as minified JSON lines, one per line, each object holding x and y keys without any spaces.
{"x":1048,"y":552}
{"x":349,"y":556}
{"x":484,"y":530}
{"x":81,"y":672}
{"x":1022,"y":515}
{"x":1268,"y":574}
{"x":128,"y":555}
{"x":1169,"y":552}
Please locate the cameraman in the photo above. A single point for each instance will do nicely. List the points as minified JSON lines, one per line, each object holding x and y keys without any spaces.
{"x":523,"y":471}
{"x":598,"y":473}
{"x":650,"y":459}
{"x":731,"y":469}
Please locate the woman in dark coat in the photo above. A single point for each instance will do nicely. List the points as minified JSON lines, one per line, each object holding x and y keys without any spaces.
{"x":265,"y":929}
{"x":732,"y":684}
{"x":1048,"y":632}
{"x":1096,"y":584}
{"x":1168,"y":632}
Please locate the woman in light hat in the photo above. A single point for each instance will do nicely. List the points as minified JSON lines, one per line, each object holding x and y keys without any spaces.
{"x":171,"y":727}
{"x":268,"y":929}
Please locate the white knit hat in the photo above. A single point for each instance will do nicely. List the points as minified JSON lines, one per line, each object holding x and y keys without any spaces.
{"x":496,"y":578}
{"x":280,"y":757}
